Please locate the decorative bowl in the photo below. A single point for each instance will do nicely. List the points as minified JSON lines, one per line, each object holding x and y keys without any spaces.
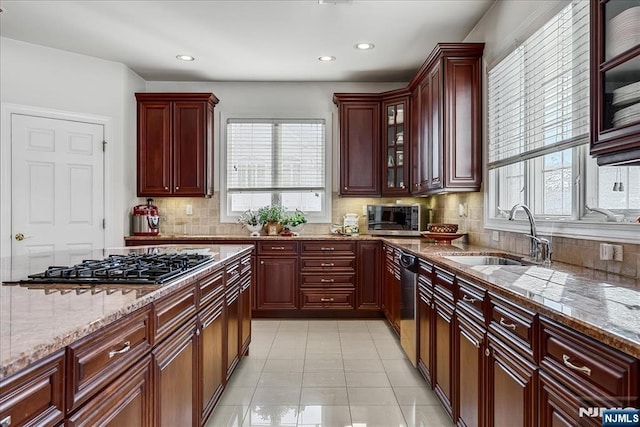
{"x":442,"y":228}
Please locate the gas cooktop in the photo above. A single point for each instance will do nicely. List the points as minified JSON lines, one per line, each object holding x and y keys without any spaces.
{"x":124,"y":269}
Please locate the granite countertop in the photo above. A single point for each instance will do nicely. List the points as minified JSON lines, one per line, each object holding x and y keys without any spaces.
{"x":601,"y":305}
{"x":36,"y":322}
{"x":232,"y":238}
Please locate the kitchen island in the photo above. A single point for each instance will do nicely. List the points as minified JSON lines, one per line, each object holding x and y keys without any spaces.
{"x":95,"y":353}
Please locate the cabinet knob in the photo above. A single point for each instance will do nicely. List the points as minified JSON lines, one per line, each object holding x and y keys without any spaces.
{"x":345,"y":188}
{"x":262,"y":262}
{"x":177,"y":188}
{"x":166,"y":188}
{"x":487,"y":352}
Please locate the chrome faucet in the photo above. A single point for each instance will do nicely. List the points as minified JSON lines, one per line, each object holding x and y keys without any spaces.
{"x":540,"y":248}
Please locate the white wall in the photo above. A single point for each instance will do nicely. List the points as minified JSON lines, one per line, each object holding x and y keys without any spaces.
{"x":51,"y":79}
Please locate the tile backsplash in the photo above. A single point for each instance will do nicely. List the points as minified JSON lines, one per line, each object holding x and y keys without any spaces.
{"x":206,"y":221}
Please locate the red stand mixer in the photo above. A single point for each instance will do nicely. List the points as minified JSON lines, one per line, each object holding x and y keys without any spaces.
{"x":145,"y":220}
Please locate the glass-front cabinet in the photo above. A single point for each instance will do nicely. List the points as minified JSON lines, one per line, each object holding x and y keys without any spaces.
{"x":395,"y":180}
{"x":615,"y":81}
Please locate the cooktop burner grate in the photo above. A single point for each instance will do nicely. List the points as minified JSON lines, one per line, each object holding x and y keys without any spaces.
{"x":131,"y":268}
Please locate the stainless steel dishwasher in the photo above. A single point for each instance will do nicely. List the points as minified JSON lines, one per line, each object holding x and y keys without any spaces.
{"x":408,"y":283}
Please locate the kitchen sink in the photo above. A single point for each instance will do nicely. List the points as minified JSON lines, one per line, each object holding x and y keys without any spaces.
{"x":483,"y":260}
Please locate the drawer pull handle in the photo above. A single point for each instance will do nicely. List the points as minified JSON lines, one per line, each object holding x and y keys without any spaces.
{"x":326,"y":299}
{"x":511,"y":326}
{"x":327,"y":249}
{"x":584,"y":369}
{"x":277,"y":248}
{"x":327,"y":280}
{"x":327,"y":264}
{"x":467,"y":299}
{"x":127,"y":347}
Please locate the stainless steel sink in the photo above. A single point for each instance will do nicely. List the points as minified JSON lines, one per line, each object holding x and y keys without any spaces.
{"x":482,"y":260}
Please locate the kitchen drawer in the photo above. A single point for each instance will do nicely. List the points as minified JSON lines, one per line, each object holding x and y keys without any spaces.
{"x":516,"y":325}
{"x":245,"y":265}
{"x":99,"y":358}
{"x":211,"y":286}
{"x":327,"y":299}
{"x":590,"y":367}
{"x":471,"y":298}
{"x":278,"y":247}
{"x":443,"y":281}
{"x":328,"y":248}
{"x":327,"y":280}
{"x":328,"y":264}
{"x":34,"y":396}
{"x":174,"y":310}
{"x":425,"y":269}
{"x":232,"y":273}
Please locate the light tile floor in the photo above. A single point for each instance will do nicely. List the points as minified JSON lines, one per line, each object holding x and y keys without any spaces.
{"x":327,"y":373}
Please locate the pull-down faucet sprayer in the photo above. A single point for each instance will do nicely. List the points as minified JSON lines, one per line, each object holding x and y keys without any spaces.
{"x":540,"y":248}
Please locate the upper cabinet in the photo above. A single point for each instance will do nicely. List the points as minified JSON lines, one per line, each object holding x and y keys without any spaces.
{"x":615,"y":82}
{"x":175,"y":144}
{"x":420,"y":140}
{"x":448,"y":88}
{"x":359,"y":116}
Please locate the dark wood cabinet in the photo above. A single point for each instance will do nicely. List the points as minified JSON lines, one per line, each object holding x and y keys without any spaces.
{"x":359,"y":116}
{"x":232,"y":315}
{"x":369,"y":272}
{"x":443,"y":339}
{"x":277,"y":283}
{"x":416,"y":150}
{"x":391,"y":286}
{"x":246,"y":265}
{"x":395,"y":145}
{"x":425,"y":310}
{"x":35,"y":395}
{"x":125,"y":402}
{"x":615,"y":76}
{"x":448,"y":89}
{"x":175,"y":144}
{"x":175,"y":376}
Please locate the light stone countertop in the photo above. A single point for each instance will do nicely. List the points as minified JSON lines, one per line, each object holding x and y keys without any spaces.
{"x":35,"y":323}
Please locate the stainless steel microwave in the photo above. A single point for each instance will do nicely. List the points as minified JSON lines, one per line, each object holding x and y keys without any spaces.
{"x":396,"y":220}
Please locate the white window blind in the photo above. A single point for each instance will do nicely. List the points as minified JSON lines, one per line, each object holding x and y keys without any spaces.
{"x":538,"y":96}
{"x":275,"y":156}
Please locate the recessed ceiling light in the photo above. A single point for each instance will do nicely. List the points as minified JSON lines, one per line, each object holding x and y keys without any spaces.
{"x":185,"y":57}
{"x":327,"y":58}
{"x":365,"y":46}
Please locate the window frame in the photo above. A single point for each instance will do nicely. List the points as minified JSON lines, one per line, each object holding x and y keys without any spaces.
{"x":322,"y":217}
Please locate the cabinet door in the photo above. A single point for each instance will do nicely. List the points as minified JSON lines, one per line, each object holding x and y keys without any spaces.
{"x":154,"y":148}
{"x":470,"y":361}
{"x":415,"y":141}
{"x":368,"y":276}
{"x":245,"y":315}
{"x":35,"y":395}
{"x":425,"y":330}
{"x":213,"y":367}
{"x":559,"y":407}
{"x":395,"y":141}
{"x":277,"y":284}
{"x":189,"y":148}
{"x":435,"y":129}
{"x":425,"y":134}
{"x":232,"y":314}
{"x":462,"y":145}
{"x":360,"y":148}
{"x":443,"y":351}
{"x":125,"y":402}
{"x":511,"y":388}
{"x":175,"y":378}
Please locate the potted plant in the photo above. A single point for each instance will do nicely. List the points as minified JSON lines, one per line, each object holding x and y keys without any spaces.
{"x":272,"y":217}
{"x":295,"y":222}
{"x":251,"y":221}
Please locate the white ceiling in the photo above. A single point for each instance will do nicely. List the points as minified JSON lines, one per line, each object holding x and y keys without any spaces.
{"x":246,"y":40}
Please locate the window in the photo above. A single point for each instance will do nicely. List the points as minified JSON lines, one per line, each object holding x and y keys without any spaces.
{"x":538,"y":131}
{"x":276,"y":161}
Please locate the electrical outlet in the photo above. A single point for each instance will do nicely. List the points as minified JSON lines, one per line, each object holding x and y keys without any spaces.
{"x":617,"y":252}
{"x":364,"y":210}
{"x":606,"y":251}
{"x":495,"y":236}
{"x":189,"y":209}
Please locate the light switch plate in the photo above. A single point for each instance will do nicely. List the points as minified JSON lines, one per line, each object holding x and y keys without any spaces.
{"x":189,"y":209}
{"x":495,"y":236}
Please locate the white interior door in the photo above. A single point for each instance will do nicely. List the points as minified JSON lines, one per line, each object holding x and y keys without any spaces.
{"x":57,"y":189}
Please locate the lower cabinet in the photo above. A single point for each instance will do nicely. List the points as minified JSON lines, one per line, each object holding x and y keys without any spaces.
{"x":277,"y":278}
{"x":175,"y":376}
{"x":470,"y":372}
{"x":211,"y":347}
{"x":391,"y":286}
{"x":35,"y":396}
{"x":125,"y":402}
{"x":425,"y":312}
{"x":232,"y":314}
{"x":443,"y":349}
{"x":368,"y":272}
{"x":511,"y":387}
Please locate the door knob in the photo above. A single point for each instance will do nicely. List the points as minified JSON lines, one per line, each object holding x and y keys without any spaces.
{"x":19,"y":236}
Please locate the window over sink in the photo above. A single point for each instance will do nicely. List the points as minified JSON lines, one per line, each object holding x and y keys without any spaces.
{"x":538,"y":138}
{"x":269,"y":161}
